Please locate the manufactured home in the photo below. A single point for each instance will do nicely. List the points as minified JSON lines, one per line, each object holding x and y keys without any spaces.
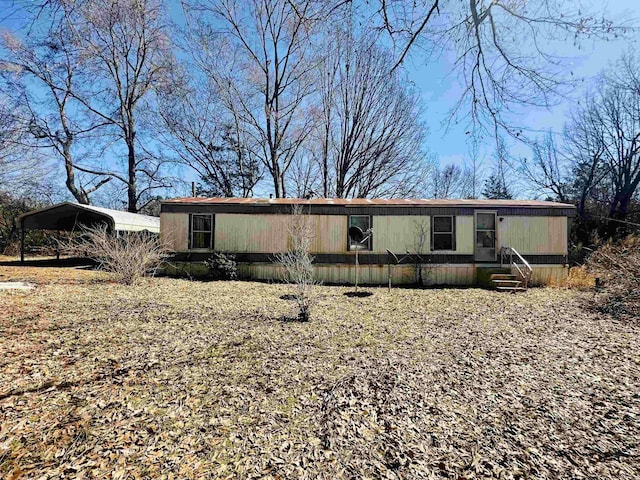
{"x":452,"y":242}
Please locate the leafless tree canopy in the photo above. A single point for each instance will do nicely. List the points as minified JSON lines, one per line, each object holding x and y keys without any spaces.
{"x":449,"y":181}
{"x":369,"y":136}
{"x":41,"y":74}
{"x":305,"y":97}
{"x":504,"y":48}
{"x":130,"y":50}
{"x":596,"y":161}
{"x":618,"y":119}
{"x":263,"y":73}
{"x":24,"y":171}
{"x":209,"y":139}
{"x":546,"y":170}
{"x":11,"y":132}
{"x":317,"y":104}
{"x":608,"y":164}
{"x":86,"y":73}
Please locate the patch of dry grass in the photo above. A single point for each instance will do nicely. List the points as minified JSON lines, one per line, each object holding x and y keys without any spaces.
{"x":179,"y":379}
{"x":51,"y":275}
{"x":580,"y":278}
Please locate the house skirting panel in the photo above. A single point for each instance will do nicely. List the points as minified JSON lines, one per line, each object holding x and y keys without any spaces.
{"x":377,"y":274}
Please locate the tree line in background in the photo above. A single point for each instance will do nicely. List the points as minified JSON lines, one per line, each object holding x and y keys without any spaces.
{"x":595,"y":162}
{"x":118,"y":100}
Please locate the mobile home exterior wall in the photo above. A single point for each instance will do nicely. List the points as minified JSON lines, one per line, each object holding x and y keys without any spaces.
{"x":256,"y":230}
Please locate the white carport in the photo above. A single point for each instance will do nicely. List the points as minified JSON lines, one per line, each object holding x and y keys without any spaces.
{"x":70,"y":216}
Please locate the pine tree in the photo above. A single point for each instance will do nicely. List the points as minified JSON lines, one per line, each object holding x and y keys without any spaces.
{"x":495,"y":188}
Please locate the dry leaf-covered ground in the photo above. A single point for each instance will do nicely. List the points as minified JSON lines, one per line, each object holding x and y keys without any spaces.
{"x":180,"y":379}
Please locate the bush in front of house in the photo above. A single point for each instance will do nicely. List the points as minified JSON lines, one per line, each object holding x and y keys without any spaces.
{"x":128,"y":257}
{"x":222,"y":266}
{"x":297,"y":263}
{"x":617,"y":266}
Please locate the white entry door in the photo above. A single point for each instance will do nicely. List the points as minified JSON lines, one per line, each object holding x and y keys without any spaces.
{"x":485,"y":236}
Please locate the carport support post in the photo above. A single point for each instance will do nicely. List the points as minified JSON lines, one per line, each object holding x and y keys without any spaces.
{"x":58,"y":246}
{"x":22,"y":244}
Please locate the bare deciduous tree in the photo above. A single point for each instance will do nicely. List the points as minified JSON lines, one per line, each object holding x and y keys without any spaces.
{"x":499,"y":186}
{"x":473,"y":170}
{"x":597,"y":163}
{"x":209,"y":140}
{"x":24,"y":171}
{"x":602,"y":144}
{"x":584,"y":148}
{"x":11,"y":132}
{"x":547,"y":169}
{"x":127,"y":50}
{"x":264,"y":76}
{"x":619,"y":115}
{"x":449,"y":181}
{"x":305,"y":175}
{"x":297,"y":262}
{"x":504,"y":49}
{"x":369,"y":128}
{"x":41,"y":72}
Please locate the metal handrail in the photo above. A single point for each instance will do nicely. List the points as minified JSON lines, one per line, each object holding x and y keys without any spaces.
{"x":518,"y":268}
{"x":510,"y":251}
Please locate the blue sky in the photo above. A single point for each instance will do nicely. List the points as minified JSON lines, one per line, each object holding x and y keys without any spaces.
{"x":440,"y":90}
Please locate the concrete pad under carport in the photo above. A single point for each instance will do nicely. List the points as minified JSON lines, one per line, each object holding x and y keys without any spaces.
{"x":20,"y":286}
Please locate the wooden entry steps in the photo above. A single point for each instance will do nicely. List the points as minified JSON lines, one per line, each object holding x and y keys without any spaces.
{"x":506,"y":282}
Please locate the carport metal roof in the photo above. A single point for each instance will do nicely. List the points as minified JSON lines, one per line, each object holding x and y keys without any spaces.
{"x":69,"y":216}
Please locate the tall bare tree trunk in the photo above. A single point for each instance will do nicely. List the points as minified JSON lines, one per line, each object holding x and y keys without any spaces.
{"x":132,"y":190}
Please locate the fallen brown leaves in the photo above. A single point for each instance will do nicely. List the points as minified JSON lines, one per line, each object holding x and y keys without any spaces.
{"x":179,"y":379}
{"x":617,"y":264}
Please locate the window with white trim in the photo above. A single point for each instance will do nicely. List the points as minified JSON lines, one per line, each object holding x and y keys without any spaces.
{"x":201,"y":231}
{"x":443,"y":232}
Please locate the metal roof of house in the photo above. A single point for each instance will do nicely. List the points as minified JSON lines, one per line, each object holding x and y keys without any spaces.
{"x":372,"y":202}
{"x":68,"y":216}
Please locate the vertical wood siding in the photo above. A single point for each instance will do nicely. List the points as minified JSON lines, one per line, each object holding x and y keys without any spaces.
{"x":336,"y":274}
{"x":268,"y":233}
{"x":370,"y":274}
{"x":443,"y":275}
{"x":464,"y":234}
{"x":174,"y":230}
{"x":244,"y":233}
{"x":399,"y":233}
{"x":450,"y":275}
{"x":555,"y":275}
{"x":534,"y":235}
{"x":330,"y":234}
{"x":250,"y":233}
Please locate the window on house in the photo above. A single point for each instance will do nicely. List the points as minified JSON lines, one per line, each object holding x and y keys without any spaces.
{"x":364,"y":223}
{"x":485,"y":230}
{"x":201,"y":234}
{"x":443,"y":237}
